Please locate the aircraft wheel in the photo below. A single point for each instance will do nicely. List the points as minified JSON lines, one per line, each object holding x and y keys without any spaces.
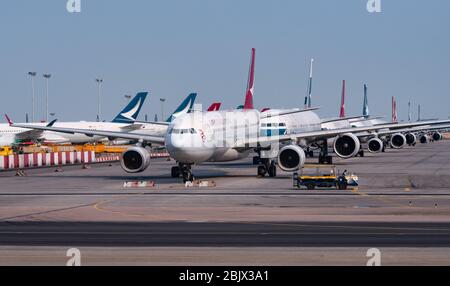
{"x":175,"y":172}
{"x":262,"y":171}
{"x":272,"y":170}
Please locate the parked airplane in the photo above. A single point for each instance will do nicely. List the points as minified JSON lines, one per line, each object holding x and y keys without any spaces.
{"x":217,"y":136}
{"x":11,"y":135}
{"x":125,"y":121}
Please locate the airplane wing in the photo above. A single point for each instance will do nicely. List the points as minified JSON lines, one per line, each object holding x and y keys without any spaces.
{"x":162,"y":123}
{"x":268,"y":114}
{"x":414,"y":129}
{"x":131,"y":127}
{"x":30,"y":134}
{"x":360,"y":118}
{"x":324,"y":134}
{"x":91,"y":133}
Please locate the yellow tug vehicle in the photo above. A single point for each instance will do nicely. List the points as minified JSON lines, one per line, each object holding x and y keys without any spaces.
{"x":323,"y":176}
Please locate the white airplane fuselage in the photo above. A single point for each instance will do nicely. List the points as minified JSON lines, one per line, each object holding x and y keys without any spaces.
{"x":11,"y":135}
{"x":211,"y":137}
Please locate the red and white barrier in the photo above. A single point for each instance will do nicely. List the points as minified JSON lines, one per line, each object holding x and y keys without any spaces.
{"x":110,"y":158}
{"x":22,"y":161}
{"x":159,"y":155}
{"x":116,"y":157}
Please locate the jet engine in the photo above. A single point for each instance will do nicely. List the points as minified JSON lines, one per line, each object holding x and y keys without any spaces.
{"x":398,"y":141}
{"x":135,"y":160}
{"x":346,"y":145}
{"x":291,"y":158}
{"x":375,"y":145}
{"x":437,"y":136}
{"x":424,"y":139}
{"x":411,"y":139}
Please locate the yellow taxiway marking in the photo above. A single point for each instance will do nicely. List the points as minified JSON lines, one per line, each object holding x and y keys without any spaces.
{"x":98,"y":206}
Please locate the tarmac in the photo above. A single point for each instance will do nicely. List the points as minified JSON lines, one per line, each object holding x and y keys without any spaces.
{"x":402,"y":207}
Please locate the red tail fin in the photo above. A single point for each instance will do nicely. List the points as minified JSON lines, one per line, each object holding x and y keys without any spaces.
{"x":214,"y":107}
{"x":251,"y":77}
{"x":342,"y":112}
{"x":394,"y":110}
{"x":9,"y":120}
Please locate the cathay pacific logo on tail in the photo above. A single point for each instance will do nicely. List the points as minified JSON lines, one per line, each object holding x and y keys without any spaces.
{"x":184,"y":107}
{"x":130,"y":113}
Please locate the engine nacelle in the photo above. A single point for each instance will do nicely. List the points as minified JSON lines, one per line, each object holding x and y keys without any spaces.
{"x":411,"y":139}
{"x":398,"y":141}
{"x":375,"y":145}
{"x":135,"y":160}
{"x":424,"y":139}
{"x":346,"y":145}
{"x":291,"y":158}
{"x":437,"y":136}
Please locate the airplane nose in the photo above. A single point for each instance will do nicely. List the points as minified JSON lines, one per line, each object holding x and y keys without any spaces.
{"x":186,"y":148}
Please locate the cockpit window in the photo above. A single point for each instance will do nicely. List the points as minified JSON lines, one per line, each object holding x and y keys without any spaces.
{"x":183,"y":131}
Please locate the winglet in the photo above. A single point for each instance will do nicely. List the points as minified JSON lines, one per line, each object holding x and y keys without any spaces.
{"x":365,"y":103}
{"x":394,"y":110}
{"x":342,"y":111}
{"x":52,"y":122}
{"x":9,"y":120}
{"x":250,"y":84}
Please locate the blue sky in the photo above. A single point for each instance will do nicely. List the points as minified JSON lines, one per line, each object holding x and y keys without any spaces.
{"x":173,"y":47}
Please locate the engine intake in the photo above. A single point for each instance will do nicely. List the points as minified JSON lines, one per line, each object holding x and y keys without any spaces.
{"x":424,"y":139}
{"x":135,"y":160}
{"x":398,"y":141}
{"x":346,"y":145}
{"x":375,"y":145}
{"x":291,"y":158}
{"x":411,"y":139}
{"x":437,"y":136}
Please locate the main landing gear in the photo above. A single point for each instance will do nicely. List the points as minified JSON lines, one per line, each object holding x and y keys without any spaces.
{"x":324,"y":158}
{"x":267,"y":167}
{"x":184,"y":170}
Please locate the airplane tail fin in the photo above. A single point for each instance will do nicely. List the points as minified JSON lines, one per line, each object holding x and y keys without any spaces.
{"x":130,"y":113}
{"x":184,"y":107}
{"x":342,"y":111}
{"x":251,"y":76}
{"x":214,"y":107}
{"x":394,"y":110}
{"x":10,"y":122}
{"x":365,"y":103}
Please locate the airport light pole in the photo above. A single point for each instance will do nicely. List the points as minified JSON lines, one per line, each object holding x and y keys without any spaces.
{"x":162,"y":107}
{"x":99,"y":81}
{"x":47,"y":77}
{"x":32,"y":74}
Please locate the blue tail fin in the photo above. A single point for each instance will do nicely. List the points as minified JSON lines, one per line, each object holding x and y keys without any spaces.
{"x":131,"y":111}
{"x":184,"y":107}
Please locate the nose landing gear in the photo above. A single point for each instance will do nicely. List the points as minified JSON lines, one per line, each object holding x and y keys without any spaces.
{"x":268,"y":167}
{"x":184,"y":170}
